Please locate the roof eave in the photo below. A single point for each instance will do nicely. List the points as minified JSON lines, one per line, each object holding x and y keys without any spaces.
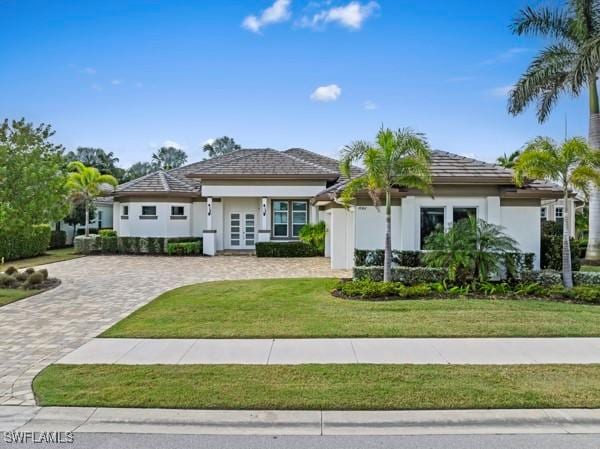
{"x":156,"y":193}
{"x":211,"y":176}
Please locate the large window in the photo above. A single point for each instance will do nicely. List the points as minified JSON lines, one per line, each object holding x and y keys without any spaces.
{"x":289,"y":216}
{"x":461,"y":213}
{"x":432,"y":220}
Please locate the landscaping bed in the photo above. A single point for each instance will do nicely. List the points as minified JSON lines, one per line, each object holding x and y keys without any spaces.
{"x":16,"y":285}
{"x":305,"y":308}
{"x":320,"y":387}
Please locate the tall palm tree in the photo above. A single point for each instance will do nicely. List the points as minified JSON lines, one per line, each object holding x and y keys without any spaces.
{"x":508,"y":161}
{"x":168,"y":158}
{"x":86,"y":184}
{"x":573,"y":164}
{"x":399,"y":158}
{"x":568,"y":65}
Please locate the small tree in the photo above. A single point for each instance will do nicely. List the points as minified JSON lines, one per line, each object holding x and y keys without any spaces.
{"x":314,"y":235}
{"x":85,"y":185}
{"x":572,"y":164}
{"x":471,"y":250}
{"x":221,"y":146}
{"x":168,"y":158}
{"x":397,"y":159}
{"x":77,"y":216}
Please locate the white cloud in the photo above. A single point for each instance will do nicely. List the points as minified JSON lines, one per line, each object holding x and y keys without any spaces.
{"x":172,"y":143}
{"x":207,"y":142}
{"x":500,"y":91}
{"x":350,"y":16}
{"x":327,"y":93}
{"x":279,"y":11}
{"x":369,"y":106}
{"x":116,"y":82}
{"x":88,"y":70}
{"x":507,"y":55}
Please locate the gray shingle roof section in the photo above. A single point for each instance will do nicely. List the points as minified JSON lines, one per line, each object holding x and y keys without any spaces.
{"x":319,"y":159}
{"x":159,"y":182}
{"x":264,"y":162}
{"x":446,"y":165}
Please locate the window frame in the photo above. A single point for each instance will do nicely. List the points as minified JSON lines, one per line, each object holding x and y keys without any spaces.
{"x":125,"y":212}
{"x":290,"y":218}
{"x":544,"y":213}
{"x":562,"y":212}
{"x":144,"y":216}
{"x":464,"y":207}
{"x":420,"y":237}
{"x":181,"y":216}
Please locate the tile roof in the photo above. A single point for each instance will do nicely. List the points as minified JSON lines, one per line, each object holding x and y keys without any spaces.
{"x":446,"y":166}
{"x":319,"y":159}
{"x":158,"y":182}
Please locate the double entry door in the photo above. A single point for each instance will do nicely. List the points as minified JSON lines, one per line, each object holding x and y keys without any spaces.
{"x":242,"y":230}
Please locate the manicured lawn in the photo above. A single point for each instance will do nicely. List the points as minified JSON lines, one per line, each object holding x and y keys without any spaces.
{"x":8,"y":295}
{"x":305,"y":308}
{"x":347,"y":387}
{"x":590,"y":268}
{"x":52,"y":255}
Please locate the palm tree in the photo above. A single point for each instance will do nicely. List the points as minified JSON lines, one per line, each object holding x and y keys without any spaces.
{"x":167,"y":158}
{"x":572,"y":164}
{"x":400,"y":158}
{"x":508,"y":161}
{"x":569,"y":64}
{"x":86,"y":184}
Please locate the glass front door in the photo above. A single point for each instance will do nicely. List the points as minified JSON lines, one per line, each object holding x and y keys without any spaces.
{"x":242,"y":230}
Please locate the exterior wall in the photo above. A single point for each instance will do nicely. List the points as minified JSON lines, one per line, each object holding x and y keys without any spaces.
{"x":106,"y":211}
{"x":368,"y":219}
{"x":522,"y":224}
{"x":247,"y":189}
{"x":550,"y":207}
{"x":161,"y":226}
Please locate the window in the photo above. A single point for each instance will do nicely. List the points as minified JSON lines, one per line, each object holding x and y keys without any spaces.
{"x":289,"y":216}
{"x":125,"y":210}
{"x":299,"y":216}
{"x":99,"y":219}
{"x":559,"y":214}
{"x":280,"y":218}
{"x":432,"y":219}
{"x":461,"y":213}
{"x":148,"y":212}
{"x":544,"y":213}
{"x":177,"y":212}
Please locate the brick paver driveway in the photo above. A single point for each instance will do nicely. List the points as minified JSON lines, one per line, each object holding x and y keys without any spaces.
{"x":98,"y":291}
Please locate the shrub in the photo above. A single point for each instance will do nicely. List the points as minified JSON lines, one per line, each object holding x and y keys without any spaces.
{"x":374,"y":258}
{"x":184,"y":248}
{"x":314,"y":235}
{"x":11,"y":270}
{"x":22,"y":276}
{"x":108,"y":244}
{"x":586,"y":278}
{"x":381,"y":290}
{"x":28,"y":242}
{"x":34,"y":279}
{"x":107,"y":233}
{"x":584,"y":294}
{"x":6,"y":280}
{"x":44,"y":273}
{"x":86,"y":245}
{"x":408,"y":258}
{"x":545,"y":278}
{"x":30,"y":270}
{"x":406,"y":275}
{"x":285,"y":249}
{"x":129,"y":245}
{"x":58,"y":239}
{"x":551,"y":248}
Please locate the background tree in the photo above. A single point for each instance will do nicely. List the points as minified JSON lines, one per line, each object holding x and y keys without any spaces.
{"x":86,"y":184}
{"x":106,"y":163}
{"x":32,"y":176}
{"x":568,"y":65}
{"x":400,"y":158}
{"x":221,"y":146}
{"x":138,"y":170}
{"x":572,"y":165}
{"x":508,"y":161}
{"x":77,"y":216}
{"x":167,"y":158}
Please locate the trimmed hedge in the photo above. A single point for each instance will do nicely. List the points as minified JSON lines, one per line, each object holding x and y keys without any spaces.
{"x":285,"y":249}
{"x":586,"y":278}
{"x":107,"y":233}
{"x":184,"y":248}
{"x":549,"y":278}
{"x":58,"y":239}
{"x":405,"y":275}
{"x":109,"y":243}
{"x":28,"y":242}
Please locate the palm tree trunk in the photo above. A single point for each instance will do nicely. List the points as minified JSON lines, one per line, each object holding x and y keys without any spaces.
{"x":566,"y":246}
{"x":593,"y":248}
{"x":387,"y":258}
{"x":87,"y":219}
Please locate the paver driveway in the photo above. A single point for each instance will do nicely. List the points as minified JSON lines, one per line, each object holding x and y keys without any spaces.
{"x":98,"y":291}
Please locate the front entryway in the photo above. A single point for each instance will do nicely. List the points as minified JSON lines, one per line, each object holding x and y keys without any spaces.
{"x":242,"y":231}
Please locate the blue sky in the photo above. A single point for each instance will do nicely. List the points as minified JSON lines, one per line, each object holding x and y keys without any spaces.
{"x":128,"y":76}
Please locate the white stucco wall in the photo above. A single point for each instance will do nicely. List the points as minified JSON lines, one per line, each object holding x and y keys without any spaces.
{"x":279,"y":190}
{"x":370,"y":227}
{"x":523,"y":224}
{"x":161,"y":226}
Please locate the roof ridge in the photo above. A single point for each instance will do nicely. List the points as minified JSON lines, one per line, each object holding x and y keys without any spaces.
{"x":176,"y":179}
{"x":137,"y":180}
{"x":308,"y":162}
{"x":229,"y":160}
{"x":466,"y":158}
{"x":206,"y":160}
{"x":163,"y":180}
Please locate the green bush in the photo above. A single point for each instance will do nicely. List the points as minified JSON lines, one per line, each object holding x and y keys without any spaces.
{"x":184,"y":249}
{"x":107,"y":233}
{"x":22,"y":276}
{"x":374,"y":258}
{"x":6,"y":280}
{"x":369,"y":289}
{"x":408,"y":258}
{"x":546,"y":278}
{"x":30,"y":270}
{"x":86,"y":245}
{"x":11,"y":270}
{"x":406,"y":275}
{"x":551,"y":248}
{"x":34,"y":279}
{"x":583,"y":294}
{"x":285,"y":249}
{"x":44,"y":273}
{"x":586,"y":278}
{"x":28,"y":242}
{"x":108,"y":244}
{"x":314,"y":235}
{"x":58,"y":239}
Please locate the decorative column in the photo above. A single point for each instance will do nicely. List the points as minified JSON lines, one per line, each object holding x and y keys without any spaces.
{"x":264,"y":233}
{"x":209,"y":235}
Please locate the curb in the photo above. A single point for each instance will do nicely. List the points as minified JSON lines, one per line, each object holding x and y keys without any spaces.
{"x":274,"y":422}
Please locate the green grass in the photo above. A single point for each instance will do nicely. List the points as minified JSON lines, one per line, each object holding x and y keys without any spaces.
{"x":305,"y":308}
{"x":590,"y":268}
{"x":51,"y":256}
{"x":8,"y":295}
{"x":342,"y":387}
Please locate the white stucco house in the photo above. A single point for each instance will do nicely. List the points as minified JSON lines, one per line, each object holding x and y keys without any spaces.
{"x":103,"y":219}
{"x":256,"y":195}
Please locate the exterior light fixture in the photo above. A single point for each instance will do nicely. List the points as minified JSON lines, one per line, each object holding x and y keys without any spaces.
{"x":209,"y":209}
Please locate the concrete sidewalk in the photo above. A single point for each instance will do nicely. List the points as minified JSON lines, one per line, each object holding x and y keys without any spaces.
{"x":494,"y":351}
{"x":249,"y":422}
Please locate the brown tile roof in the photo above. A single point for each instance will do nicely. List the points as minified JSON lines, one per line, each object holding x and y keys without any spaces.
{"x":319,"y":159}
{"x":157,"y":182}
{"x":448,"y":166}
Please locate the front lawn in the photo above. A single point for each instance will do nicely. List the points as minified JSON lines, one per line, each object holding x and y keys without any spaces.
{"x":316,"y":387}
{"x":8,"y":295}
{"x":305,"y":308}
{"x":589,"y":268}
{"x":51,"y":256}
